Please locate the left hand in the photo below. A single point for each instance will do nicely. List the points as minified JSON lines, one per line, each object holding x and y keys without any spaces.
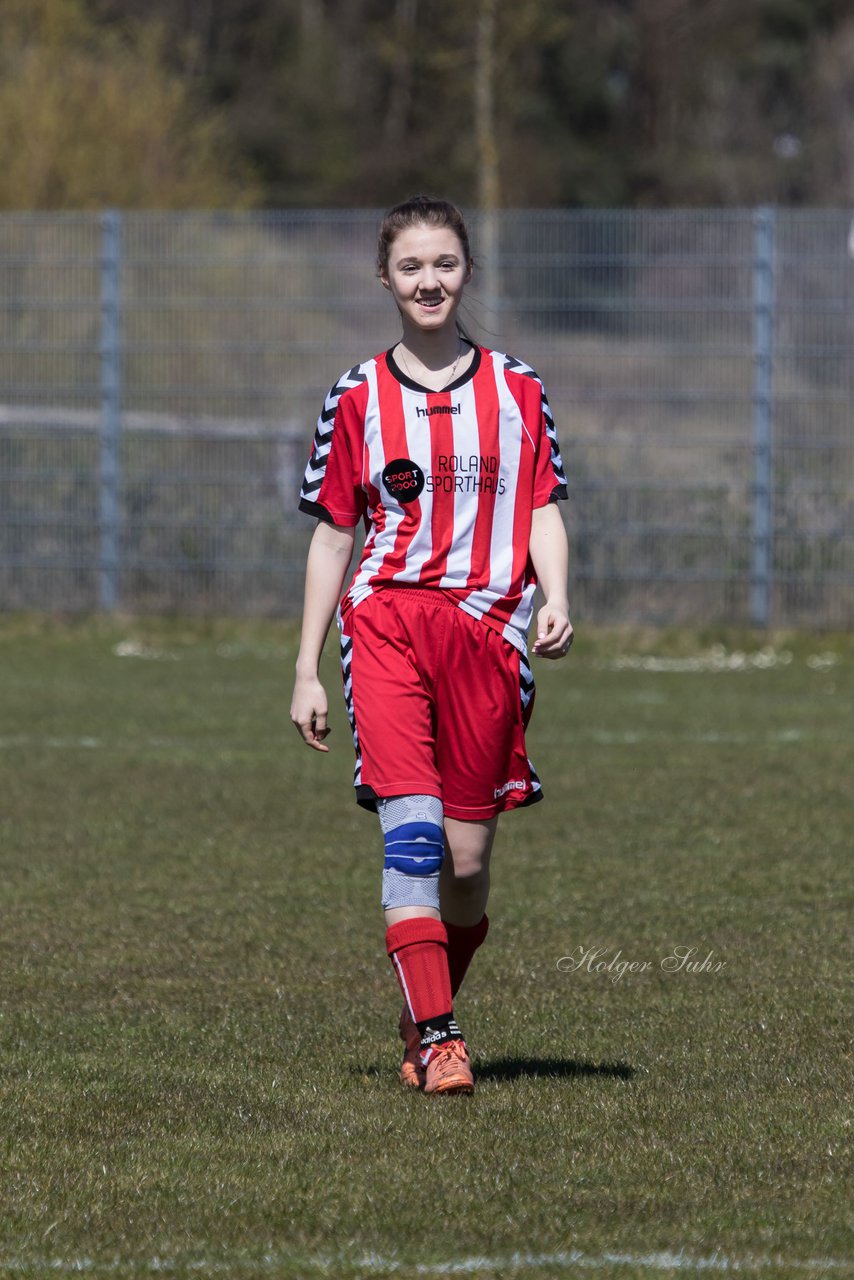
{"x":554,"y":631}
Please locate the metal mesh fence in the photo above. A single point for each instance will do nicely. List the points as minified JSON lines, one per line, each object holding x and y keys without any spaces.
{"x":161,"y":376}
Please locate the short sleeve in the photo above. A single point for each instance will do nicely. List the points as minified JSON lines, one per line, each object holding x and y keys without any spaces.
{"x":332,"y":486}
{"x":549,"y":475}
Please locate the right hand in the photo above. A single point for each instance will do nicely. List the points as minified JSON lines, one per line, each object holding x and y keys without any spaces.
{"x":309,"y":712}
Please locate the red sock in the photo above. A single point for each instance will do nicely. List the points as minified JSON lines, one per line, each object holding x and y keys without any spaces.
{"x":419,"y":953}
{"x":463,"y":941}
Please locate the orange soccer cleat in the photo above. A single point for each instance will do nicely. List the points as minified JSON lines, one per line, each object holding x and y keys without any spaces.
{"x":449,"y":1069}
{"x":411,"y":1071}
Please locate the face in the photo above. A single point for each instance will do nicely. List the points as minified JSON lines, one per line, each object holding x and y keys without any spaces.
{"x":426,"y":275}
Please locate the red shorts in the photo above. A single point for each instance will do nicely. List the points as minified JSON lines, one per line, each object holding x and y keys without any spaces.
{"x":438,"y":704}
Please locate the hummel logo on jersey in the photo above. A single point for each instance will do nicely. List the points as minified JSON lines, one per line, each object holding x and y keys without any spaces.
{"x":509,"y":786}
{"x":438,"y":408}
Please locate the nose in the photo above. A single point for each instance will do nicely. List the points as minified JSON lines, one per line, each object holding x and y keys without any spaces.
{"x":429,"y":280}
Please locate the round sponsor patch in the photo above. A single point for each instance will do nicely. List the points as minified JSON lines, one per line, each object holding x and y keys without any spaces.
{"x":404,"y":479}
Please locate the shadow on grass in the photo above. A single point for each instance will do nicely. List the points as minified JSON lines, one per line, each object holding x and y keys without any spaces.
{"x":529,"y":1068}
{"x":550,"y":1068}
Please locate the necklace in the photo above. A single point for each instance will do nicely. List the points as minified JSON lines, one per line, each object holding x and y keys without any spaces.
{"x":450,"y":376}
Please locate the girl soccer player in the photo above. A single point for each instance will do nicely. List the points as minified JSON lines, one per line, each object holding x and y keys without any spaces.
{"x":448,"y":451}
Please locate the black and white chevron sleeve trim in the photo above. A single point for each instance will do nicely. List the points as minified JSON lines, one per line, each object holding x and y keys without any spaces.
{"x":519,"y":366}
{"x":559,"y":490}
{"x":322,"y":443}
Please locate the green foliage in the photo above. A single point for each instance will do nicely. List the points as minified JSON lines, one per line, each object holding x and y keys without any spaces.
{"x":91,"y":116}
{"x":342,"y":102}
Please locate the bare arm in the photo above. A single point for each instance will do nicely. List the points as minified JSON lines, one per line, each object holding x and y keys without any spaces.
{"x":549,"y":551}
{"x":328,"y":559}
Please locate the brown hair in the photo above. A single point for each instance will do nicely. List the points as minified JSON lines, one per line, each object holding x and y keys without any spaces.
{"x":420,"y":211}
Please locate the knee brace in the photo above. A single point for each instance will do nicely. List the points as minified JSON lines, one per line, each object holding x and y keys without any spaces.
{"x":414,"y":848}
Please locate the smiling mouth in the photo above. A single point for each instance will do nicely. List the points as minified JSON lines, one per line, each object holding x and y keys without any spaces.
{"x":430,"y":302}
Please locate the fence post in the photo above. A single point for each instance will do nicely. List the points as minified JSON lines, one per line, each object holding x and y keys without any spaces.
{"x":763,"y":414}
{"x":109,"y":517}
{"x":486,"y":142}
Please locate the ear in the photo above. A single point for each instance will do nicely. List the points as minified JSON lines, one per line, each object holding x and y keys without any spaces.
{"x":384,"y":280}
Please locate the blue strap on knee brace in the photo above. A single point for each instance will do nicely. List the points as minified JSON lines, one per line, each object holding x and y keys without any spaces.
{"x":414,"y":848}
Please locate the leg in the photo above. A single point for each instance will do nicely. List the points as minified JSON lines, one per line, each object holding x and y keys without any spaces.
{"x":464,"y":890}
{"x":464,"y":878}
{"x":414,"y":851}
{"x":417,"y":942}
{"x":485,"y":770}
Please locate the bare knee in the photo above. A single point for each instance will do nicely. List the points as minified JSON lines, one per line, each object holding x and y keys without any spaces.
{"x":464,"y":880}
{"x":468,"y":847}
{"x":467,"y":884}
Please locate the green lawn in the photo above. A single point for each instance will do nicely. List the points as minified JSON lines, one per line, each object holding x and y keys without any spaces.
{"x":198,"y":1020}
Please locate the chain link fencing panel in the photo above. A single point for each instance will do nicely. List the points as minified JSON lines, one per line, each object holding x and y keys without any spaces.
{"x":162,"y":375}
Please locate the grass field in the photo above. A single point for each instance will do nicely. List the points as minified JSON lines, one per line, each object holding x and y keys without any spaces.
{"x":198,"y":1018}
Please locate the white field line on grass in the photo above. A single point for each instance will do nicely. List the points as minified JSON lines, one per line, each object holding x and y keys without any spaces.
{"x":376,"y":1264}
{"x":152,"y":653}
{"x":630,"y":737}
{"x":136,"y":649}
{"x":574,"y":1259}
{"x":716,"y":659}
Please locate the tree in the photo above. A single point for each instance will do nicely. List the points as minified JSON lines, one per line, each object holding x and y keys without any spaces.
{"x":361,"y":102}
{"x":90,"y":116}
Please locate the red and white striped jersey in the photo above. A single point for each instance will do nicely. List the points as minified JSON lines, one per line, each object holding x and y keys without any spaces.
{"x":446,"y":482}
